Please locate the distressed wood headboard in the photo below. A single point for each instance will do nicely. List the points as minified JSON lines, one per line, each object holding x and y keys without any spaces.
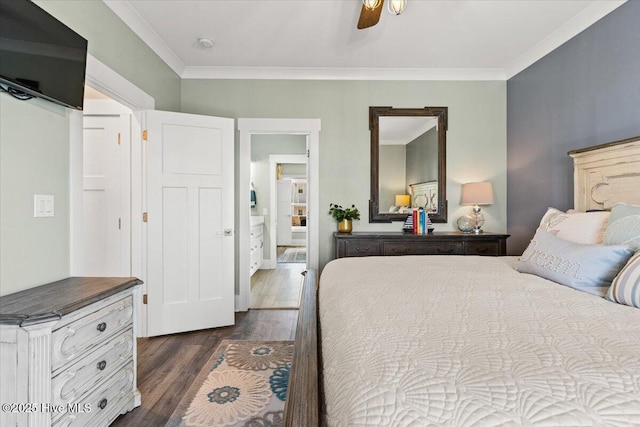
{"x":606,"y":174}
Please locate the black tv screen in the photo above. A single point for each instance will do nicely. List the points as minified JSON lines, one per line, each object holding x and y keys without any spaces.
{"x":39,"y":55}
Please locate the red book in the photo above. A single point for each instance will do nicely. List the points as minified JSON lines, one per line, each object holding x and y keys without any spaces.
{"x":414,"y":214}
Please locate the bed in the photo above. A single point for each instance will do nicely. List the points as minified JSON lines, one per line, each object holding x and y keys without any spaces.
{"x":462,"y":341}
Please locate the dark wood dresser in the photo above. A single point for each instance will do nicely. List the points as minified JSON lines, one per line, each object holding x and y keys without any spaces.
{"x":436,"y":243}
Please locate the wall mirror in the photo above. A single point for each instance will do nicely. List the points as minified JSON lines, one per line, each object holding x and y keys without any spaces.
{"x":408,"y":162}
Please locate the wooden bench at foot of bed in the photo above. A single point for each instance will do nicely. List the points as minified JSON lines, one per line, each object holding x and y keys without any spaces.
{"x":302,"y":407}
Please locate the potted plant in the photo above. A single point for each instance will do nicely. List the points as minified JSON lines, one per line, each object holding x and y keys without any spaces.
{"x":344,"y":216}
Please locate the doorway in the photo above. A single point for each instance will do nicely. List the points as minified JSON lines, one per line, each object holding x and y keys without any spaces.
{"x":310,"y":129}
{"x":280,"y":200}
{"x":106,"y":187}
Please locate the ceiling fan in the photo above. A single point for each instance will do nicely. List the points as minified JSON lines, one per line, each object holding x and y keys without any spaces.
{"x":371,"y":9}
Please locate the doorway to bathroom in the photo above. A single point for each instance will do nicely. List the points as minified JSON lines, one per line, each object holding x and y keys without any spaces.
{"x":279,"y":195}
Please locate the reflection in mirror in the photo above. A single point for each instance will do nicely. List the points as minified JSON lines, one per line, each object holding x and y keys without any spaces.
{"x":407,"y":162}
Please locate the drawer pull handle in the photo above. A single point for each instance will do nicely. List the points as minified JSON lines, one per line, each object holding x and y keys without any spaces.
{"x":101,"y":327}
{"x":102,"y":364}
{"x":362,"y":250}
{"x":102,"y":404}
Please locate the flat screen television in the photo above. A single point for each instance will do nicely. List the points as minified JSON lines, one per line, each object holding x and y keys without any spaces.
{"x":40,"y":56}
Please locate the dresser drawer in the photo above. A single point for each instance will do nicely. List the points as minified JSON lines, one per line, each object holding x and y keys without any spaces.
{"x":482,"y":248}
{"x":422,"y":248}
{"x":102,"y":406}
{"x":256,"y":231}
{"x":82,"y":335}
{"x":362,"y":247}
{"x":75,"y":381}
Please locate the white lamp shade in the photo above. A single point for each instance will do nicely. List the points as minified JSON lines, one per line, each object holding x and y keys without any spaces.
{"x":477,"y":193}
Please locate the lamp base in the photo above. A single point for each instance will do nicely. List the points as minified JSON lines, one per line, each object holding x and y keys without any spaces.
{"x":479,"y":219}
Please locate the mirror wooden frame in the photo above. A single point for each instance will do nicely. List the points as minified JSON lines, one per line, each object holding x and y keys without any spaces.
{"x":374,"y":203}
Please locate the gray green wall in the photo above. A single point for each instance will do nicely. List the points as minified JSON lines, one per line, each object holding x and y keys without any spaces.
{"x":116,"y":45}
{"x":393,"y":174}
{"x":35,"y":148}
{"x":34,"y":159}
{"x":476,"y":147}
{"x":584,"y":93}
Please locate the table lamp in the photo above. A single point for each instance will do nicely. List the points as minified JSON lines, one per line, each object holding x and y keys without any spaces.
{"x":403,"y":200}
{"x":476,"y":194}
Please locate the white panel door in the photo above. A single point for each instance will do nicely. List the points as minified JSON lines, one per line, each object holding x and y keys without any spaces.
{"x":190,"y":242}
{"x":283,"y":220}
{"x":106,"y":196}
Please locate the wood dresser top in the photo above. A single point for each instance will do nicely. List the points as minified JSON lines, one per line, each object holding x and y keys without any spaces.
{"x":435,"y":235}
{"x":54,"y":300}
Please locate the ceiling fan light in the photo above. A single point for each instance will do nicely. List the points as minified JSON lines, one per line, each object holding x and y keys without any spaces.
{"x":371,"y":4}
{"x":396,"y":7}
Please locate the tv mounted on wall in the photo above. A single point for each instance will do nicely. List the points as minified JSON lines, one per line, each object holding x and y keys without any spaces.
{"x":40,"y":56}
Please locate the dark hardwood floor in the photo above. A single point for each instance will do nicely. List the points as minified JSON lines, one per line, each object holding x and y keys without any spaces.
{"x":167,"y":365}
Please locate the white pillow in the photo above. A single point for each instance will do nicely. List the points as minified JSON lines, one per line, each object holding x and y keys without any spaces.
{"x":580,"y":227}
{"x":588,"y":268}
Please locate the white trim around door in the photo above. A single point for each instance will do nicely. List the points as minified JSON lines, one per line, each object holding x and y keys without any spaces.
{"x":99,"y":76}
{"x":248,"y":127}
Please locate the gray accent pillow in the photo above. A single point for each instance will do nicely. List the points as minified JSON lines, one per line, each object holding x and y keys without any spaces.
{"x":624,"y":226}
{"x":588,"y":268}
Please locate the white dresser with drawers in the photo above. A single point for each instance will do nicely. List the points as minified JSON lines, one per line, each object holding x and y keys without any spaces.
{"x":68,"y":353}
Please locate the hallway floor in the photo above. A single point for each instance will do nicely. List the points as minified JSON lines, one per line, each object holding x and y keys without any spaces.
{"x":277,"y":288}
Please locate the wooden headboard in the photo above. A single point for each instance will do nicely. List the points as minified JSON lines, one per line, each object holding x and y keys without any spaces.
{"x":606,"y":174}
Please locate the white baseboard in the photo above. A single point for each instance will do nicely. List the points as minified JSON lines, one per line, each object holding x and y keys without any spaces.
{"x":268,"y":264}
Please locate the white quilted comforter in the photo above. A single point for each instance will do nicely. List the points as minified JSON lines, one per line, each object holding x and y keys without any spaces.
{"x":468,"y":341}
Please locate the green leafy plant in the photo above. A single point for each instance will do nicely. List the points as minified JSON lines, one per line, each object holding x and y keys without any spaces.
{"x":340,"y":213}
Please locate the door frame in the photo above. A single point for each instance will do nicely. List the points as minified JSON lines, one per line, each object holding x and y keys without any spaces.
{"x":246,"y":128}
{"x":274,"y":159}
{"x":104,"y":79}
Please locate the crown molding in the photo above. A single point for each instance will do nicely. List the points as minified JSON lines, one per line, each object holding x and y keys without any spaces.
{"x":337,"y":73}
{"x":139,"y":26}
{"x":583,"y":20}
{"x":593,"y":13}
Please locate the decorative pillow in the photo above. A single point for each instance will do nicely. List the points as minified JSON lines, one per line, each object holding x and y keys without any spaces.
{"x":580,"y":227}
{"x":588,"y":268}
{"x":624,"y":226}
{"x":620,"y":210}
{"x":625,"y":288}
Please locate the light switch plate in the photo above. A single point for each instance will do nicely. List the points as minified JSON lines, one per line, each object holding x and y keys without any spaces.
{"x":42,"y":205}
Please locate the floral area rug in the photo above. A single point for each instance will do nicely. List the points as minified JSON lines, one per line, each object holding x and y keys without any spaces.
{"x":244,"y":383}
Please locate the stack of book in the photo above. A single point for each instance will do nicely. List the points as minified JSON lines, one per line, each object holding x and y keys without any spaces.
{"x":421,"y":222}
{"x":408,"y":224}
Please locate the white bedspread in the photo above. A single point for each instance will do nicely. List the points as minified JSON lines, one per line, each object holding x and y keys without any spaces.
{"x":468,"y":341}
